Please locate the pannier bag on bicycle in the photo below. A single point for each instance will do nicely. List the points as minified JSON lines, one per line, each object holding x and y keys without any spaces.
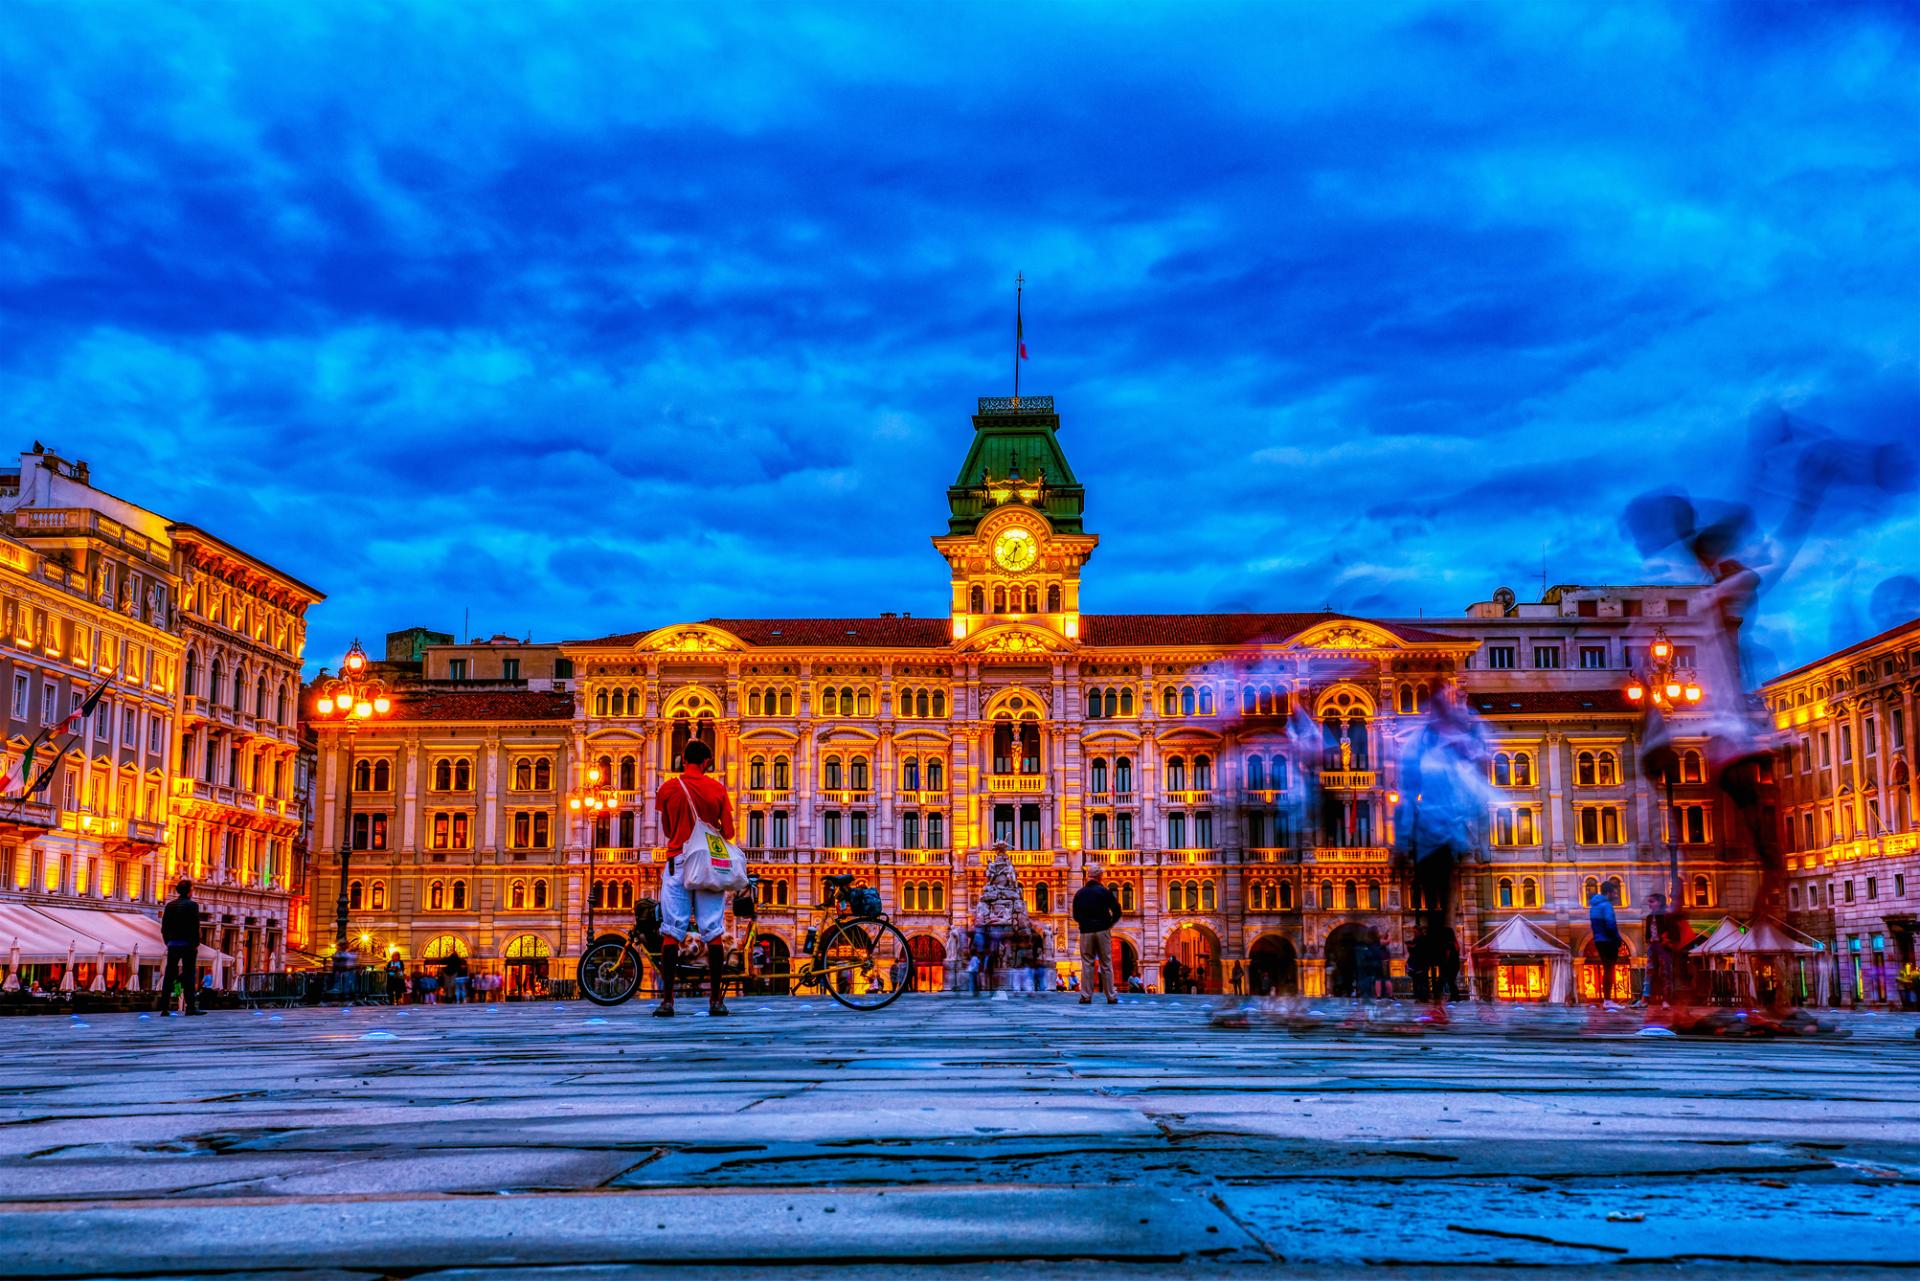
{"x":864,"y":902}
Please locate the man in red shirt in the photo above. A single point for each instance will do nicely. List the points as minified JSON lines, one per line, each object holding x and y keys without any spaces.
{"x":680,"y":798}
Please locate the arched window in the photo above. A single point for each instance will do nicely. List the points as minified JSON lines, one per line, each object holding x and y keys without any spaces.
{"x":999,"y":599}
{"x":830,"y":772}
{"x":1170,"y":702}
{"x":463,"y":776}
{"x":1373,"y":896}
{"x":1098,"y":775}
{"x":829,"y":701}
{"x":782,"y":773}
{"x":1176,"y":896}
{"x":1053,"y":598}
{"x":436,"y":896}
{"x":923,"y":704}
{"x":1506,"y":891}
{"x":600,"y":703}
{"x":382,"y":776}
{"x":1502,"y":770}
{"x":976,"y":600}
{"x":1690,"y":767}
{"x":1176,"y":773}
{"x":215,"y":674}
{"x":786,"y":702}
{"x":1326,"y":896}
{"x":1616,"y":891}
{"x":1529,"y":892}
{"x":1041,"y":898}
{"x":1126,"y":896}
{"x":1586,"y":771}
{"x":1702,"y":892}
{"x":377,"y":896}
{"x":443,"y":776}
{"x":459,"y":896}
{"x":753,"y":702}
{"x":1206,"y":700}
{"x":190,"y":677}
{"x":1256,"y":774}
{"x":1286,"y":896}
{"x":517,"y":896}
{"x":539,"y":893}
{"x":356,"y":895}
{"x":1522,"y":769}
{"x":1352,"y":895}
{"x":857,"y":774}
{"x":1094,"y":704}
{"x":362,"y":776}
{"x":629,"y":773}
{"x":936,"y":775}
{"x":1609,"y":769}
{"x":757,"y":772}
{"x":939,"y":704}
{"x":1186,"y":700}
{"x":1405,"y":699}
{"x":1203,"y":773}
{"x":1206,"y":896}
{"x":1123,"y":775}
{"x":542,"y":775}
{"x":1126,"y":702}
{"x":863,"y":703}
{"x":523,"y":775}
{"x":1589,"y":888}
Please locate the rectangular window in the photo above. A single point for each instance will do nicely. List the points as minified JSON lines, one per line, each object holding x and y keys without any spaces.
{"x":910,"y":831}
{"x":1593,"y":657}
{"x":510,"y":669}
{"x":1176,"y":831}
{"x":1003,"y":823}
{"x":782,"y":837}
{"x":1676,"y":608}
{"x":1846,"y":744}
{"x":936,"y":832}
{"x":49,"y":703}
{"x":1630,"y":609}
{"x":1123,"y":831}
{"x":1203,"y":829}
{"x":1873,"y":887}
{"x":1029,"y":827}
{"x":1867,"y":737}
{"x":1899,"y":885}
{"x":21,"y":695}
{"x":457,"y":669}
{"x":1847,"y":887}
{"x":1097,"y":832}
{"x":1587,"y":608}
{"x":130,"y":727}
{"x":830,"y":829}
{"x":857,"y":829}
{"x":1500,"y":657}
{"x":1546,"y":656}
{"x":153,"y":731}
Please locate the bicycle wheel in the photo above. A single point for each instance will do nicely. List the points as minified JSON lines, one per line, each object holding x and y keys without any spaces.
{"x":609,"y":972}
{"x":865,"y":965}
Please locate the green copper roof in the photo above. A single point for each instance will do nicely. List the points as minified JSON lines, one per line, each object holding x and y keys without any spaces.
{"x":1016,"y":438}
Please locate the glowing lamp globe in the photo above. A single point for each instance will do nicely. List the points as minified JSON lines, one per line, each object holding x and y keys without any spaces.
{"x":1673,"y":689}
{"x":363,"y":709}
{"x":383,"y":705}
{"x":1693,"y":693}
{"x":1661,"y":649}
{"x":324,"y":706}
{"x":1636,"y":692}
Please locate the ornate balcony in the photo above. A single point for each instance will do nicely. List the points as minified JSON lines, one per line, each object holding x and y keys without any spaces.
{"x":1017,"y":784}
{"x":922,"y":797}
{"x":1190,"y":856}
{"x":846,"y":796}
{"x":1351,"y":854}
{"x":1272,"y":855}
{"x":769,"y":795}
{"x":1266,"y":795}
{"x":1188,"y":796}
{"x":1347,"y":780}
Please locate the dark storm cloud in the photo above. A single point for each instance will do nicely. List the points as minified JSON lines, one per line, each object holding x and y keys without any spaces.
{"x":587,"y":318}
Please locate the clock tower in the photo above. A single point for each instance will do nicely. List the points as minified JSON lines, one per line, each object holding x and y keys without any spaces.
{"x":1014,"y":542}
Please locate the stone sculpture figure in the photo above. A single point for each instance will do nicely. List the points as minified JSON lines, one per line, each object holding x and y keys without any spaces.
{"x":983,"y":957}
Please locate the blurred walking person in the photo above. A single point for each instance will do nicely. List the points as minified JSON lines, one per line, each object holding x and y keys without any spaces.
{"x":1606,"y":941}
{"x":1095,"y":912}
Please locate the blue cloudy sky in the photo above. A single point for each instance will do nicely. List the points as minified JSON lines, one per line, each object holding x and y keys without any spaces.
{"x":588,"y":318}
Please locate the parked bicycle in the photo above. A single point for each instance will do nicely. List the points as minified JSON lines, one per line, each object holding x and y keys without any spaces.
{"x":859,"y":956}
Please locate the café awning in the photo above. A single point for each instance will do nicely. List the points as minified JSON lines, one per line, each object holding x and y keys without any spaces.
{"x":1520,"y":937}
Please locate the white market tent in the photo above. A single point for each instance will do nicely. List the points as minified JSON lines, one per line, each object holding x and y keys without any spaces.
{"x":1762,"y":937}
{"x":1518,"y":936}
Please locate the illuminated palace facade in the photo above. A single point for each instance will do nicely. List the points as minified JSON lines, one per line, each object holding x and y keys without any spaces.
{"x":1847,"y":820}
{"x":186,"y":764}
{"x":902,"y":749}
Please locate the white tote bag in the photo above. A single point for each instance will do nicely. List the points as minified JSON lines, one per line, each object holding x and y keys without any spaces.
{"x":709,"y":861}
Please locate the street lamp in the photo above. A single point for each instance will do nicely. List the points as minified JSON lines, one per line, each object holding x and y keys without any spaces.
{"x":594,"y":800}
{"x":354,"y":696}
{"x":1666,"y":690}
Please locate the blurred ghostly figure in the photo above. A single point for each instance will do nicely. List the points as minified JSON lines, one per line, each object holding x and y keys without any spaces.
{"x":1790,"y":467}
{"x":1443,"y":792}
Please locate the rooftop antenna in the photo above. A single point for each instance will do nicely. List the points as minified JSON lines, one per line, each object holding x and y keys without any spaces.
{"x":466,"y":625}
{"x":1543,"y":569}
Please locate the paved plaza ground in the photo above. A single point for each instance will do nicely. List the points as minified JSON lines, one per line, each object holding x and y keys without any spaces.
{"x":944,"y":1136}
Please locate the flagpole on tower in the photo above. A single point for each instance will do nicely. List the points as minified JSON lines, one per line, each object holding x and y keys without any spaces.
{"x":1019,"y":335}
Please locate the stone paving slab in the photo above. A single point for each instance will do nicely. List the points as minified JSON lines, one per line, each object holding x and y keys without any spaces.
{"x":948,"y":1137}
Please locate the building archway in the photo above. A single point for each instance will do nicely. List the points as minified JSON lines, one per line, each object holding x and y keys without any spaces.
{"x":929,"y":963}
{"x":1273,"y":968}
{"x":1343,"y":957}
{"x":1624,"y":984}
{"x":442,"y":946}
{"x":1197,"y":949}
{"x":526,"y":957}
{"x":1126,"y":961}
{"x":772,"y":963}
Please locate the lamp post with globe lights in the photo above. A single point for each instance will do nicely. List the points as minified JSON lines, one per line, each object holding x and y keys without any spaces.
{"x":347,"y":700}
{"x":595,"y":799}
{"x":1665,"y":691}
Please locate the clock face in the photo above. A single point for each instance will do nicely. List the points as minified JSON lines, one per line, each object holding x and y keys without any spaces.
{"x":1015,"y":548}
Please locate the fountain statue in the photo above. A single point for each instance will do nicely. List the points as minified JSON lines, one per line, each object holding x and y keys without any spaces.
{"x":1003,"y":950}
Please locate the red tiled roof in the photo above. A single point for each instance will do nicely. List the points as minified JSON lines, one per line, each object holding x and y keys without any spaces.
{"x":1095,"y":629}
{"x":1224,"y":629}
{"x":482,"y":705}
{"x":1550,"y":702}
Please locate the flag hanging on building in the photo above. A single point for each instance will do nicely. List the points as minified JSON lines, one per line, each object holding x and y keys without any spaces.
{"x":1020,"y":334}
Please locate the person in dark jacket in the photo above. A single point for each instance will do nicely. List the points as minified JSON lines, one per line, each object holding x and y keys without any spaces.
{"x":180,"y":928}
{"x":1095,"y":911}
{"x":1606,"y":941}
